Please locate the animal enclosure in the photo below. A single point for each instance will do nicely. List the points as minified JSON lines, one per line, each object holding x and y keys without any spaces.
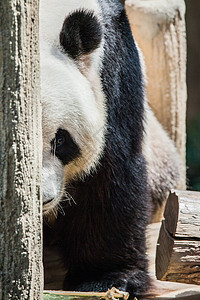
{"x":159,"y":29}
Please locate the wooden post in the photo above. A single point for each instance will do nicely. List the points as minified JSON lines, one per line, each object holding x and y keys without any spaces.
{"x":178,"y":249}
{"x":159,"y":29}
{"x":20,"y":152}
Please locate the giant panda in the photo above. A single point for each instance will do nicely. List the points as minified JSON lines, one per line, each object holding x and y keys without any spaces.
{"x":98,"y":147}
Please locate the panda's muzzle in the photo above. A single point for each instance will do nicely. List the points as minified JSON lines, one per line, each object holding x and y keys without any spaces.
{"x":52,"y":181}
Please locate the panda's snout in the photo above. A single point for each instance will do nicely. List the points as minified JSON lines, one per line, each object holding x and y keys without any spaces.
{"x":52,"y":182}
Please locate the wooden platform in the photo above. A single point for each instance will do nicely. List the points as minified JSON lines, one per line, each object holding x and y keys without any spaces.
{"x":166,"y":291}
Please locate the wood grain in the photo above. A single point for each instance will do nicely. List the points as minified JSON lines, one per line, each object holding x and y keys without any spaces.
{"x":21,"y":270}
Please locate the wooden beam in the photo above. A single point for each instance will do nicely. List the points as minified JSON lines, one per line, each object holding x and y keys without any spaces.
{"x":21,"y":271}
{"x":178,"y":248}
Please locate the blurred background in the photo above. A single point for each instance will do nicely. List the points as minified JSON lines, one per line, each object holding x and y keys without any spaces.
{"x":193,"y":86}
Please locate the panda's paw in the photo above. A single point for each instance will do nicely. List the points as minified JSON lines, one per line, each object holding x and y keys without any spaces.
{"x":135,"y":283}
{"x":101,"y":285}
{"x":138,"y":284}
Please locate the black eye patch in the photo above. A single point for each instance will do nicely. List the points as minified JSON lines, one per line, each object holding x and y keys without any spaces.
{"x":63,"y":147}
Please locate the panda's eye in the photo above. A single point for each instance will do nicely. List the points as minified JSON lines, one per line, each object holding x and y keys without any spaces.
{"x":60,"y":141}
{"x":64,"y":147}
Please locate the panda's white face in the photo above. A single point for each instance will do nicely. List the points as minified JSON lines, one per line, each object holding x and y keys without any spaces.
{"x":73,"y":104}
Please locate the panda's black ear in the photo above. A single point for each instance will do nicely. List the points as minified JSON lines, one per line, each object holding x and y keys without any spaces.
{"x":81,"y":33}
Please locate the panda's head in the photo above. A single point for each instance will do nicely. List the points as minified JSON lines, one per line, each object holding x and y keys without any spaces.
{"x":72,"y":99}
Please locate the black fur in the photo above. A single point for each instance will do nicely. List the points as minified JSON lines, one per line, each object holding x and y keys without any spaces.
{"x":81,"y":33}
{"x":66,"y":151}
{"x":102,"y":237}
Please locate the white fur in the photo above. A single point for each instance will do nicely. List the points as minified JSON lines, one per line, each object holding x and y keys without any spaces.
{"x":164,"y":164}
{"x":72,"y":98}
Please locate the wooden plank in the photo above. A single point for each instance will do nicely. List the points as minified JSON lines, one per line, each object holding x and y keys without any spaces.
{"x":171,"y":290}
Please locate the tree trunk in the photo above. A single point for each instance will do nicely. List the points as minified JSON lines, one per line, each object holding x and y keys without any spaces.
{"x":159,"y":29}
{"x":178,"y":248}
{"x":21,"y":271}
